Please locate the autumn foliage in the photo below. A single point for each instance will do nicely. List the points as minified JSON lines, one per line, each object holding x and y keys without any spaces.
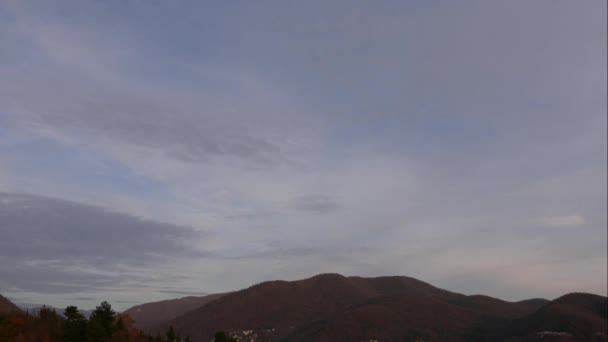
{"x":104,"y":325}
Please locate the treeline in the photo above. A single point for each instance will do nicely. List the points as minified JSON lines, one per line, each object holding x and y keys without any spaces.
{"x":103,"y":325}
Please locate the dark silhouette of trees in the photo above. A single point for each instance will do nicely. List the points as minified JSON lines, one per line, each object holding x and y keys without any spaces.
{"x":171,"y":337}
{"x":104,"y":325}
{"x":96,"y":332}
{"x":75,"y":325}
{"x":100,"y":323}
{"x":49,"y":323}
{"x":221,"y":336}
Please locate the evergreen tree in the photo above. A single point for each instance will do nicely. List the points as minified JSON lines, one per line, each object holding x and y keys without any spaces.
{"x":170,"y":334}
{"x":96,"y":332}
{"x":75,"y":326}
{"x":49,"y":324}
{"x":100,"y":323}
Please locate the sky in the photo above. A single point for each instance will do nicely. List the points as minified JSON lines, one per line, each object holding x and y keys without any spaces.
{"x":158,"y":149}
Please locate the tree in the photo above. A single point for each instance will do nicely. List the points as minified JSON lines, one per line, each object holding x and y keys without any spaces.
{"x":120,"y":325}
{"x":105,"y":315}
{"x":12,"y":326}
{"x":96,"y":332}
{"x":75,"y":326}
{"x":221,"y":336}
{"x":49,"y":324}
{"x":46,"y":325}
{"x":100,"y":323}
{"x":171,"y":334}
{"x":120,"y":332}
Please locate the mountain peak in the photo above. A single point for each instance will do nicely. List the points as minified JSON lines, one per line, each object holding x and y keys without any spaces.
{"x":330,"y":306}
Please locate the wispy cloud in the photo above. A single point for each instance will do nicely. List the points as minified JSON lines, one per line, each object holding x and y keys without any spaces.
{"x":218,"y":146}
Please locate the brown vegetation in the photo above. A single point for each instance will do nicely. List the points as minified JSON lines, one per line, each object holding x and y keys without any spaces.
{"x":149,"y":316}
{"x":331,"y":307}
{"x":327,"y":307}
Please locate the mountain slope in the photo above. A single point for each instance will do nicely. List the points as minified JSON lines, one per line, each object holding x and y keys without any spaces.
{"x":149,"y":316}
{"x":7,"y":307}
{"x":332,"y":307}
{"x":580,"y":316}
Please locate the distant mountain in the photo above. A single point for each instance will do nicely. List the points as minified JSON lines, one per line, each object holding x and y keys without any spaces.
{"x":148,"y":317}
{"x":7,"y":307}
{"x":581,"y":316}
{"x":331,"y":307}
{"x":34,"y":309}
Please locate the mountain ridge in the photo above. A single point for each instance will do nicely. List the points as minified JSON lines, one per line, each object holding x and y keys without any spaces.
{"x":149,"y":316}
{"x":8,"y":307}
{"x":334,"y":307}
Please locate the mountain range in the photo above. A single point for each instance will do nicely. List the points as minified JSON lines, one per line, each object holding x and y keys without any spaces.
{"x":331,"y":307}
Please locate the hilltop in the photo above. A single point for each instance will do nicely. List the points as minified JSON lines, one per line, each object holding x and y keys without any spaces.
{"x":331,"y":307}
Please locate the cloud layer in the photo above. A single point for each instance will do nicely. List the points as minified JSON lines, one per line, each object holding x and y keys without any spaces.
{"x":148,"y":149}
{"x":59,"y":247}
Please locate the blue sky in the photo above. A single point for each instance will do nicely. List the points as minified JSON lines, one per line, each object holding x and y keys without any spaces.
{"x":462,"y":143}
